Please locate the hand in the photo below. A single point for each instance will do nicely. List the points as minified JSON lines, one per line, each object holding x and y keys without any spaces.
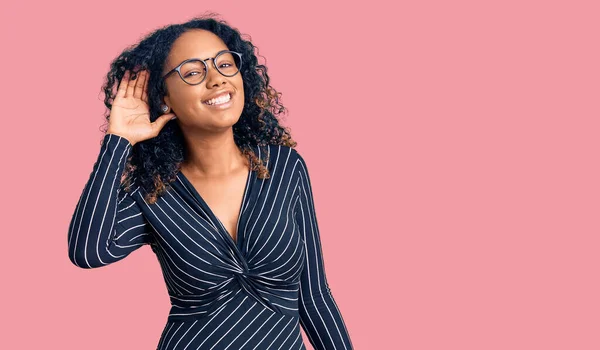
{"x":130,"y":113}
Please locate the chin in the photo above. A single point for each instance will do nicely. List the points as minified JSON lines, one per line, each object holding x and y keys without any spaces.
{"x":225,"y":120}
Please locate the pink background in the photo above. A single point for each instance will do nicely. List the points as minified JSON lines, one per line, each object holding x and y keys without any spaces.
{"x":453,"y":150}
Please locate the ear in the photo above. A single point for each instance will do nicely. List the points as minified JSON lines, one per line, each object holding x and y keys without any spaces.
{"x":167,"y":101}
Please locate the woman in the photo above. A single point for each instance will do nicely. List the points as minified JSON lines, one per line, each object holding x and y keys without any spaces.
{"x":195,"y":164}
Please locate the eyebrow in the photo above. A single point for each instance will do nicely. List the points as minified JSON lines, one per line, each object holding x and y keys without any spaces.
{"x":203,"y":59}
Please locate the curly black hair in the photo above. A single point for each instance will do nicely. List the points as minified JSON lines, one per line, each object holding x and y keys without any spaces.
{"x":155,"y":162}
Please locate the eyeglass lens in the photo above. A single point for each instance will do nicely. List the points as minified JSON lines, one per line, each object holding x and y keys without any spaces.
{"x":194,"y":72}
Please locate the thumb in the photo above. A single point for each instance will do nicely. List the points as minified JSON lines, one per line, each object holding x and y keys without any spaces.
{"x":161,"y":121}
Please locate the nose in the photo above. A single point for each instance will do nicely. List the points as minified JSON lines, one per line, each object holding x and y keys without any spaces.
{"x":213,"y":77}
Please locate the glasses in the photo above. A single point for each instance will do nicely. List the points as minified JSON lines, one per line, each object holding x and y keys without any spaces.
{"x":193,"y":71}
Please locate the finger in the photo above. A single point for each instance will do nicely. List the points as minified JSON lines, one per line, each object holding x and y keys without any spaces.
{"x":130,"y":86}
{"x":139,"y":85}
{"x":123,"y":85}
{"x":161,"y":121}
{"x":145,"y":91}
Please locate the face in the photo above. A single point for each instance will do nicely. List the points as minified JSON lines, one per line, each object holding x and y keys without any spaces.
{"x":188,"y":102}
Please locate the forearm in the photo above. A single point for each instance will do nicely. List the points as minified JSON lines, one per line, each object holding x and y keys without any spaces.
{"x":323,"y":322}
{"x":93,"y":225}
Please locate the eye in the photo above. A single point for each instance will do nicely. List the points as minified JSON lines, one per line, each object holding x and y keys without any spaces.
{"x":191,"y":73}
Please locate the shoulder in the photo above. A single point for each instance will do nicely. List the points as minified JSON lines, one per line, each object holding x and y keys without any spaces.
{"x":283,"y":160}
{"x":280,"y":153}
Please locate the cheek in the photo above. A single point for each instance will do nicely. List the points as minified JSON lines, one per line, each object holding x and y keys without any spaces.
{"x":240,"y":101}
{"x":240,"y":90}
{"x":186,"y":97}
{"x":241,"y":97}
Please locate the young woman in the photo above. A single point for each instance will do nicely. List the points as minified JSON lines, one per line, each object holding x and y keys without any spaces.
{"x":195,"y":164}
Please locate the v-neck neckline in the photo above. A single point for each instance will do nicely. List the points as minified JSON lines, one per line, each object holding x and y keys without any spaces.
{"x":247,"y":187}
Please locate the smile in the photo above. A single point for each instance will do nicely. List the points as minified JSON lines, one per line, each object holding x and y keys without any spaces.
{"x":218,"y":101}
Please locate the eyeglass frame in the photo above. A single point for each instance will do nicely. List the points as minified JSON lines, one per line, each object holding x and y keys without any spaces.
{"x":178,"y":68}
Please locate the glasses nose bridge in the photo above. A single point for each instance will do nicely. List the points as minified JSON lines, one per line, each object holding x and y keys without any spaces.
{"x":214,"y":65}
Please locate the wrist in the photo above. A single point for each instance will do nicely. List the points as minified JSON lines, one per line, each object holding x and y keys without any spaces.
{"x":120,"y":135}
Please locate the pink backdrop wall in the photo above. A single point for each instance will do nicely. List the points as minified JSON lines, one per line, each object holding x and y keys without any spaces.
{"x":453,"y":149}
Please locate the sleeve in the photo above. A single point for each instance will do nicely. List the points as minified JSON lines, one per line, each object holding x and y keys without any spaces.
{"x":319,"y":313}
{"x":107,"y":224}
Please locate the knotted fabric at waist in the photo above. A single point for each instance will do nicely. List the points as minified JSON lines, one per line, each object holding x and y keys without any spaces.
{"x":275,"y":294}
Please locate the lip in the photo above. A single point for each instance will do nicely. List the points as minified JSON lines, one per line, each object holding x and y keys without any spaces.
{"x":222,"y":105}
{"x":217,"y":94}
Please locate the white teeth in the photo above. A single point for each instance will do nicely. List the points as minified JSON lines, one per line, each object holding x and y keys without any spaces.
{"x":219,"y":100}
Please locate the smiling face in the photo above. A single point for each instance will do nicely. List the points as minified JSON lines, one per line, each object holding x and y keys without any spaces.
{"x":189,"y":102}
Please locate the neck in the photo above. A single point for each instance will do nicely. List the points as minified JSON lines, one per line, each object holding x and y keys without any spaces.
{"x":213,"y":155}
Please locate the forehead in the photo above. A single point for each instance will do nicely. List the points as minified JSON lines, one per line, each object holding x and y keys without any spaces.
{"x":194,"y":44}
